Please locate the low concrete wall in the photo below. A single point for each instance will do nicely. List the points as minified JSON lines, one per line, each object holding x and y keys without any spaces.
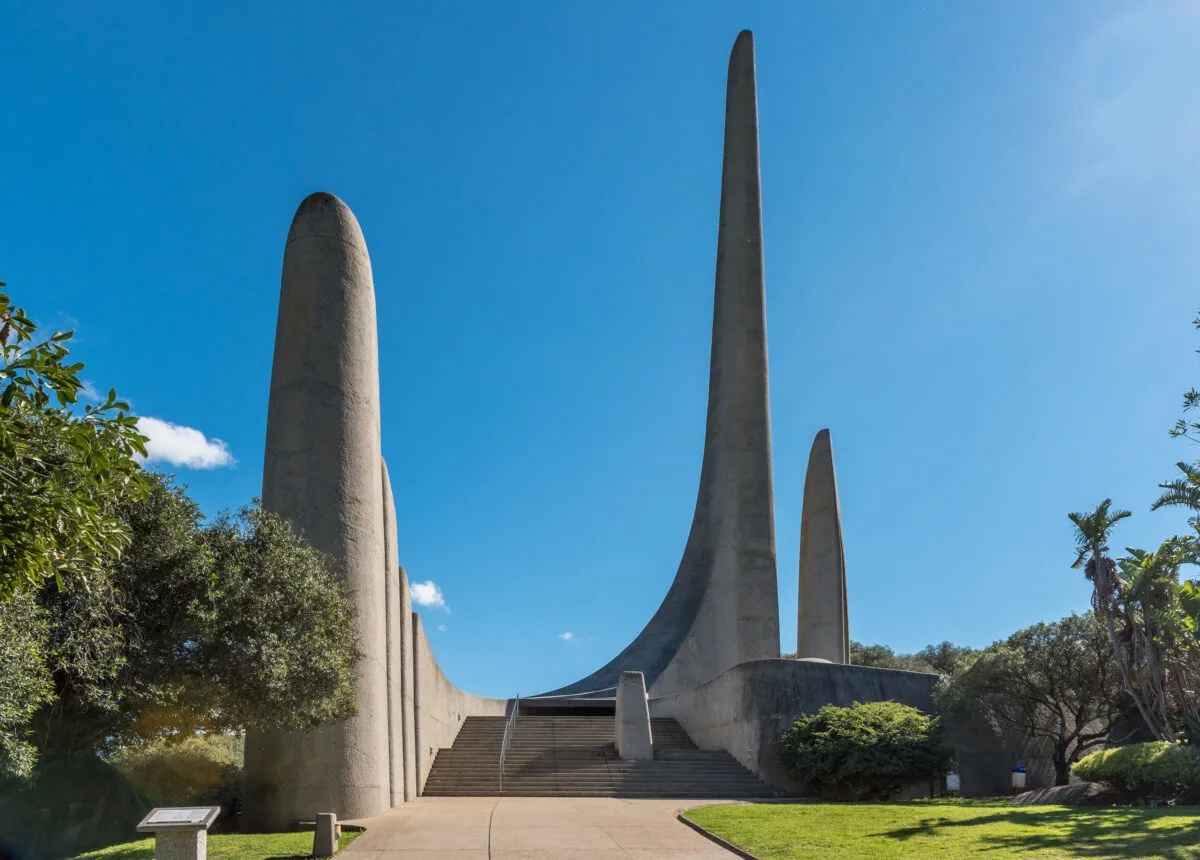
{"x":440,"y":706}
{"x":745,"y":710}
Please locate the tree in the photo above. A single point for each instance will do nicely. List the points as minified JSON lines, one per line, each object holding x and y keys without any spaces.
{"x":24,"y":680}
{"x":60,"y":467}
{"x":945,"y":658}
{"x":868,"y":751}
{"x":238,"y":625}
{"x":1056,"y":682}
{"x":1093,"y":530}
{"x":942,"y":659}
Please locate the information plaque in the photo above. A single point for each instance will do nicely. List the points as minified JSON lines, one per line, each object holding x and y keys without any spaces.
{"x":179,"y":818}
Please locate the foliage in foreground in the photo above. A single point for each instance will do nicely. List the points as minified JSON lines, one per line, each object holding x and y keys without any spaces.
{"x":24,"y":679}
{"x":60,"y":466}
{"x":202,"y":770}
{"x":1152,"y":770}
{"x":1052,"y":682}
{"x":227,"y":846}
{"x":221,"y":628}
{"x":237,"y":625}
{"x":923,"y":829}
{"x":868,"y":751}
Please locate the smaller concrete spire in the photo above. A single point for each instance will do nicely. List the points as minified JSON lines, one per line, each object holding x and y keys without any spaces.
{"x":823,"y":631}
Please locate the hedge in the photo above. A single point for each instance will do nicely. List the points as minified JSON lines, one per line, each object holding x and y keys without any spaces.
{"x":1159,"y":769}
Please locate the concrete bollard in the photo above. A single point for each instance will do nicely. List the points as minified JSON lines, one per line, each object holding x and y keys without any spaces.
{"x":180,"y":834}
{"x":633,"y":737}
{"x":325,"y":839}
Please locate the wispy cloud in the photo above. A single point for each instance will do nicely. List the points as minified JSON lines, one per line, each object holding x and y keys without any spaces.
{"x":183,"y":446}
{"x":90,"y":391}
{"x":442,"y":628}
{"x":568,"y":637}
{"x":428,"y":594}
{"x":1137,"y":109}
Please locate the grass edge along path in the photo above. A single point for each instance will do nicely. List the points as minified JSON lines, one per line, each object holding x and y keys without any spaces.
{"x":951,"y":829}
{"x":227,"y":846}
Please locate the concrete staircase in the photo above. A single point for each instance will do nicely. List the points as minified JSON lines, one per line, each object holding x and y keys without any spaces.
{"x":574,"y":756}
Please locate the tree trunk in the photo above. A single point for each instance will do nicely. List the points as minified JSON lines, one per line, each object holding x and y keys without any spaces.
{"x":1062,"y":770}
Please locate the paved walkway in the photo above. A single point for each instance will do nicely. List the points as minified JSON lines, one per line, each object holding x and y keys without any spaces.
{"x":537,"y":828}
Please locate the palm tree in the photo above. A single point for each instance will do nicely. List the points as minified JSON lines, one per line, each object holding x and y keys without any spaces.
{"x":1183,"y":492}
{"x":1092,"y":532}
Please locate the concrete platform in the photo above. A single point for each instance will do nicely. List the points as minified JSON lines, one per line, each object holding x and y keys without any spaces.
{"x":537,"y":828}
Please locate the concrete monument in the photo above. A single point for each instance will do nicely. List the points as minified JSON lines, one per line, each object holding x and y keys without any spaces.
{"x":823,"y":630}
{"x":723,"y":607}
{"x":322,"y":472}
{"x":709,"y":656}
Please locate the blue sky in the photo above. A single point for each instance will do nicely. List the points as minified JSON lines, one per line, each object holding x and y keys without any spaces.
{"x":981,"y":227}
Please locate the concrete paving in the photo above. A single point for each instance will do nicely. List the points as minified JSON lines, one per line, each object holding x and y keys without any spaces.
{"x":533,"y":828}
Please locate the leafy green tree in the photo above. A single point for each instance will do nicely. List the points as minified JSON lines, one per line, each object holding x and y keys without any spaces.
{"x":876,"y":656}
{"x":201,"y":769}
{"x":945,"y":658}
{"x":24,"y":680}
{"x":865,"y":752}
{"x":942,"y":659}
{"x":237,"y":625}
{"x":60,"y":467}
{"x":1054,"y":682}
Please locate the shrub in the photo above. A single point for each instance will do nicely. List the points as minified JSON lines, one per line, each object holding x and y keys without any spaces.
{"x":198,"y":769}
{"x":864,"y":752}
{"x":1157,"y":769}
{"x":69,"y":804}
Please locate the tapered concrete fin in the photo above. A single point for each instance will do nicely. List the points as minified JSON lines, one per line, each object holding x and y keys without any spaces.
{"x":408,"y":689}
{"x":322,"y":472}
{"x":395,"y":644}
{"x":822,"y":629}
{"x":723,"y":608}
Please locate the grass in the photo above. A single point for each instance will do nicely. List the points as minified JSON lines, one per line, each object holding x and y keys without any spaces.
{"x":952,"y":829}
{"x":226,"y":846}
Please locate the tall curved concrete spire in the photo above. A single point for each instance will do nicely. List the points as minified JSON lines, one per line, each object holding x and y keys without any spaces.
{"x":822,"y":629}
{"x":723,"y":607}
{"x":322,"y":472}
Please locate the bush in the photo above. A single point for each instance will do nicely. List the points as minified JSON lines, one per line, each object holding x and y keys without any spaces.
{"x":205,"y":770}
{"x":864,"y":752}
{"x":1159,"y":769}
{"x":69,"y":804}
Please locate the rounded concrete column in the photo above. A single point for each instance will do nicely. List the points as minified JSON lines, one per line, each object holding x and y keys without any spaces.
{"x":322,"y":472}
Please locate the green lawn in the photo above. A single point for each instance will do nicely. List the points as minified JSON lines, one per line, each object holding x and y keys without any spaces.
{"x":226,"y":846}
{"x":949,"y":829}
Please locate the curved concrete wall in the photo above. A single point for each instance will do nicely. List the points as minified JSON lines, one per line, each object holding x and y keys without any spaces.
{"x":322,"y":473}
{"x":723,"y":607}
{"x":745,"y":711}
{"x":441,"y":706}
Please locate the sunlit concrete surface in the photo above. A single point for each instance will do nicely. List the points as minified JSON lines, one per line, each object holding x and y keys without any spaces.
{"x":506,"y":828}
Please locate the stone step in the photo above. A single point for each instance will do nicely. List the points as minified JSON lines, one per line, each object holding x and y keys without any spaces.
{"x":564,"y":756}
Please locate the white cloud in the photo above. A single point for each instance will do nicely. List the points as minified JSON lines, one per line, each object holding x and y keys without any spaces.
{"x":428,"y":594}
{"x":1136,"y":117}
{"x":442,"y":628}
{"x":90,"y":391}
{"x":183,"y":446}
{"x":567,"y":637}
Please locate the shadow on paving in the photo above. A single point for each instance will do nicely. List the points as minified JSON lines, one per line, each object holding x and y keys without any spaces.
{"x":1080,"y":832}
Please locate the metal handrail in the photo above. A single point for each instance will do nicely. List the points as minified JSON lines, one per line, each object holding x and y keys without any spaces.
{"x":573,"y":695}
{"x":509,"y":728}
